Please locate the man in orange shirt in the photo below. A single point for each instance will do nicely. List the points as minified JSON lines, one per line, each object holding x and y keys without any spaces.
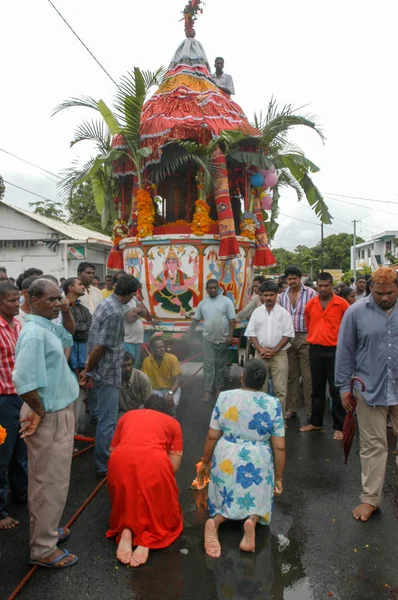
{"x":323,"y":316}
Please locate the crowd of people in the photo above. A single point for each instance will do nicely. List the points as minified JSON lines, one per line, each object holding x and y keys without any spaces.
{"x":68,"y":347}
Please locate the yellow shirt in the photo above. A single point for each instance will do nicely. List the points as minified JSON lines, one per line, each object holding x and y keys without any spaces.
{"x":106,"y":293}
{"x":162,"y":377}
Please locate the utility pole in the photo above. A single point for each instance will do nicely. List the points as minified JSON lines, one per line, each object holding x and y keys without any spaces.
{"x":312,"y":269}
{"x":355,"y":251}
{"x":321,"y":246}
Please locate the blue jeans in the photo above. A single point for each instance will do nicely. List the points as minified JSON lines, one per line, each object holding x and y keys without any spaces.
{"x":107,"y":407}
{"x":13,"y":454}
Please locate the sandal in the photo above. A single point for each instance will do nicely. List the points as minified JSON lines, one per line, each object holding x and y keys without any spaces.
{"x":53,"y":564}
{"x":62,"y":537}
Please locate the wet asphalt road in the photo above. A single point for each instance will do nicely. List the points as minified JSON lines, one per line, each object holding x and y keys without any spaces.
{"x":313,"y":549}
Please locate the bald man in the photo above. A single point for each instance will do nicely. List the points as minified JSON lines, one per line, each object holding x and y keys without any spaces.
{"x":368,"y":348}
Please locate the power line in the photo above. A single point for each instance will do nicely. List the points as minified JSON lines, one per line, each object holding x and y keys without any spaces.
{"x":363,"y":206}
{"x":81,"y":41}
{"x":360,"y":198}
{"x":28,"y":191}
{"x":309,"y":222}
{"x":31,"y":164}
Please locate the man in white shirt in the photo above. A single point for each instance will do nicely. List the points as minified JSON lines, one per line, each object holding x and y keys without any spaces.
{"x":92,"y":295}
{"x":222,"y":80}
{"x":270,"y":329}
{"x":218,"y":315}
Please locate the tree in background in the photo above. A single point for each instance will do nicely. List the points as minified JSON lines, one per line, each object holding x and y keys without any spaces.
{"x":2,"y":188}
{"x":82,"y":210}
{"x":49,"y":209}
{"x":336,"y":255}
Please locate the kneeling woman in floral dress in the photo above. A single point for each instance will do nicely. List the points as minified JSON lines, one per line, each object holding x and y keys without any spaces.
{"x":146,"y":452}
{"x":244,"y":454}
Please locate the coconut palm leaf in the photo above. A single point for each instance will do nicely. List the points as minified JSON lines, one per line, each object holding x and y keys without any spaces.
{"x":82,"y":101}
{"x":180,"y":153}
{"x":93,"y":131}
{"x":70,"y":175}
{"x":315,"y":199}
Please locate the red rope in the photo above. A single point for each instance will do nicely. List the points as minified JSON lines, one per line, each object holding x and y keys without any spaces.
{"x":83,"y":450}
{"x":83,"y":438}
{"x":86,"y":503}
{"x":192,"y":376}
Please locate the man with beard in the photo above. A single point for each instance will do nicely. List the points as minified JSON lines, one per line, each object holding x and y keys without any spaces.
{"x":368,"y":348}
{"x":270,"y":330}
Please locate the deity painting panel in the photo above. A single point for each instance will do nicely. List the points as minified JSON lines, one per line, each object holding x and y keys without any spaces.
{"x":173,"y":273}
{"x":134,"y":263}
{"x":229,"y":273}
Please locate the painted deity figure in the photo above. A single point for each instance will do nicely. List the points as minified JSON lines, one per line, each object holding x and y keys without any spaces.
{"x":173,"y":286}
{"x":228,"y":276}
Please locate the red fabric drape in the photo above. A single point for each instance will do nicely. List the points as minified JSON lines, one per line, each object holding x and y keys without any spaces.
{"x":263,"y":257}
{"x":229,"y":247}
{"x":115,"y":260}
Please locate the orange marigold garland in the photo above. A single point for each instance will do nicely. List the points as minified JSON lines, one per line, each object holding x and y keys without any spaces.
{"x":145,"y":214}
{"x":3,"y":435}
{"x":248,"y":225}
{"x":201,"y":222}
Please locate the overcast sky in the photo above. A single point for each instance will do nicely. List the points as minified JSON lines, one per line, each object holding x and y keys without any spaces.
{"x":337,"y":57}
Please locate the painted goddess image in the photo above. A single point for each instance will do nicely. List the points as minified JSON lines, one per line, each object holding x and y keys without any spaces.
{"x":173,"y":286}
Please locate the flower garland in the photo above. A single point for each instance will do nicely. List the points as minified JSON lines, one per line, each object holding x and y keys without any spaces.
{"x":191,"y":10}
{"x":3,"y":435}
{"x":145,"y":214}
{"x":248,"y":225}
{"x":201,"y":222}
{"x":120,"y":231}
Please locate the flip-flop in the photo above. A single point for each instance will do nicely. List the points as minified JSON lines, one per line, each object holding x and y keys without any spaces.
{"x":52,"y":565}
{"x":61,"y":535}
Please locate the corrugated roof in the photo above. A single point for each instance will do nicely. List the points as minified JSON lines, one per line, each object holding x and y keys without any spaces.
{"x":74,"y":232}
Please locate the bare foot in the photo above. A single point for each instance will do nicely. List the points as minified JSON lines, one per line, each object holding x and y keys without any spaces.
{"x":248,"y":543}
{"x":206,"y":397}
{"x":309,"y":428}
{"x":338,"y":435}
{"x":363,"y":511}
{"x":8,"y":523}
{"x":124,"y":550}
{"x":212,"y":545}
{"x":56,"y":554}
{"x":139,"y":557}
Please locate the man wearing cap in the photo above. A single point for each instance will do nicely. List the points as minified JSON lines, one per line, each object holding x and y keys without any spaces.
{"x":368,"y":348}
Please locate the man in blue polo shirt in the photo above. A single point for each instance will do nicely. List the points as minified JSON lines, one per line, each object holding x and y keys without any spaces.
{"x":48,"y":388}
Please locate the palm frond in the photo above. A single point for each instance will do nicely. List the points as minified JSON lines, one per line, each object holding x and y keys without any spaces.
{"x":252,"y":158}
{"x":93,"y":131}
{"x":178,"y":154}
{"x":286,"y":179}
{"x":298,"y":164}
{"x":70,"y":176}
{"x":82,"y":101}
{"x":315,"y":199}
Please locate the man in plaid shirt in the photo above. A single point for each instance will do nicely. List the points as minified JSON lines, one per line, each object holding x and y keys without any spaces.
{"x":105,"y":350}
{"x":294,"y":299}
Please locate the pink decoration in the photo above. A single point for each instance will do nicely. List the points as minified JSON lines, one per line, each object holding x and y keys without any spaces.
{"x":266,"y":202}
{"x":271,"y":179}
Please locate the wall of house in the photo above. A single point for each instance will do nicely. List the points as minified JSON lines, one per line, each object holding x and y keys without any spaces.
{"x":52,"y":262}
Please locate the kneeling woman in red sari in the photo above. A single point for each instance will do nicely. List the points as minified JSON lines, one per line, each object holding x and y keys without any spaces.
{"x":146,"y":452}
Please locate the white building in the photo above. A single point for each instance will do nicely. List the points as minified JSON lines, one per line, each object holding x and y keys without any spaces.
{"x":30,"y":240}
{"x":373,"y":253}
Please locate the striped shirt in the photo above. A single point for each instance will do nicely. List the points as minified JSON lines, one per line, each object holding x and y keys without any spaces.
{"x":8,"y":342}
{"x":298,"y":310}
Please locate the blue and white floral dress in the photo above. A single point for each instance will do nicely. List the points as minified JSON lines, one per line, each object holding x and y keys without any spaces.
{"x":242,"y":471}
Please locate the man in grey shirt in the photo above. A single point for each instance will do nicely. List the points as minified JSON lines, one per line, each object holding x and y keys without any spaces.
{"x":218,"y":315}
{"x":368,"y":348}
{"x":222,"y":80}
